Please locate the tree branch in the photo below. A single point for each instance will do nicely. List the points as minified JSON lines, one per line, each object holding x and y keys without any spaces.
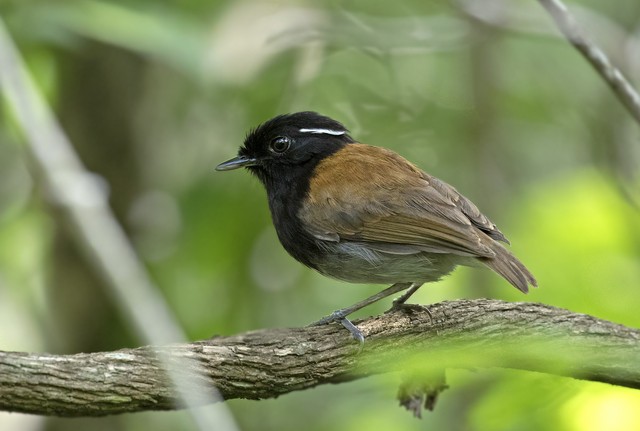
{"x":594,"y":55}
{"x":268,"y":363}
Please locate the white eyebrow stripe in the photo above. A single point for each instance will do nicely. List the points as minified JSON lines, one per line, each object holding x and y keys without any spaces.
{"x":324,"y":131}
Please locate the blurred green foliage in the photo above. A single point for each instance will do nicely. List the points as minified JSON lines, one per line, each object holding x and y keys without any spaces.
{"x":482,"y":94}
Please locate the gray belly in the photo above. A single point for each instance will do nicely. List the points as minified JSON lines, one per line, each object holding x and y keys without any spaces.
{"x":356,"y":263}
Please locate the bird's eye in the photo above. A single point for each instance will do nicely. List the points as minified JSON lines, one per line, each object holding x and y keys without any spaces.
{"x":280,"y":144}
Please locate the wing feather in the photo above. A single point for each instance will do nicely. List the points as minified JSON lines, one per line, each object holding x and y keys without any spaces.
{"x":389,"y":203}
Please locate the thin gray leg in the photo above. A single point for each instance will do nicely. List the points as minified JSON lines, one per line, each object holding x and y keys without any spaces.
{"x":403,"y":298}
{"x":341,"y":315}
{"x":400,"y":301}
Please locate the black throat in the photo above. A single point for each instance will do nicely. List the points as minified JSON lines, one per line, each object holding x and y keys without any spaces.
{"x":285,"y":151}
{"x":286,"y":192}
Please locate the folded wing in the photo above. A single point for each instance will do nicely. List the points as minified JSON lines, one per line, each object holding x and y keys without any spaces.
{"x":390,"y":205}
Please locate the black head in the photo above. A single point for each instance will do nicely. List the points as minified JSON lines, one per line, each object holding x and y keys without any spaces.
{"x":287,"y":144}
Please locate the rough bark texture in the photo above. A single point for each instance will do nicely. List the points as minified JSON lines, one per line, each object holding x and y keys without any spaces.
{"x":268,"y":363}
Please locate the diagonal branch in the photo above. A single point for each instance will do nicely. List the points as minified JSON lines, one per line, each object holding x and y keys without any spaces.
{"x":78,"y":193}
{"x":268,"y":363}
{"x":594,"y":55}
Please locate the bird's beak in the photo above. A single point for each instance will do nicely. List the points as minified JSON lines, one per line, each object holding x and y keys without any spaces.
{"x":237,"y":162}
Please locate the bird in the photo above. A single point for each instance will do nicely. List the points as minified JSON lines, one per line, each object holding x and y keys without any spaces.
{"x":365,"y":214}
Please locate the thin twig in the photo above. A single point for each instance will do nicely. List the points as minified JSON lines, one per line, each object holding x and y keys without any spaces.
{"x":625,"y":92}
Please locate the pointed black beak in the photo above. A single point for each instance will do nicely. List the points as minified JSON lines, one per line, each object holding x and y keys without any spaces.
{"x":236,"y":162}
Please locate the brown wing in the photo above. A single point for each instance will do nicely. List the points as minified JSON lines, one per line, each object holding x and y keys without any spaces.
{"x":387,"y":202}
{"x":478,"y":219}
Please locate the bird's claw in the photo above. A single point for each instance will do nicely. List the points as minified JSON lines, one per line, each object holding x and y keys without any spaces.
{"x":355,"y":332}
{"x":339,"y":316}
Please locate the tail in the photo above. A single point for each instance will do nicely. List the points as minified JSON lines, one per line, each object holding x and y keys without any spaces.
{"x":509,"y":267}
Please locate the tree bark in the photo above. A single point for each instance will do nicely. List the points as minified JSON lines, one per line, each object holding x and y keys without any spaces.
{"x":271,"y":362}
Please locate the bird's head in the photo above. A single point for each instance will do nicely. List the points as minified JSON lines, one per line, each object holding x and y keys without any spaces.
{"x":287,"y":144}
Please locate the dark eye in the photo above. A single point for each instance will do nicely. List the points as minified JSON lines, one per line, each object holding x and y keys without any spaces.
{"x":280,"y":144}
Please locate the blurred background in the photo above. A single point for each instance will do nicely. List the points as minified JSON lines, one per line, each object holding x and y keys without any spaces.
{"x":484,"y":95}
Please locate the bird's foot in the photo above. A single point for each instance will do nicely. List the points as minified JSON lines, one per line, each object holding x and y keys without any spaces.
{"x":333,"y":317}
{"x":409,"y":308}
{"x":340,"y":316}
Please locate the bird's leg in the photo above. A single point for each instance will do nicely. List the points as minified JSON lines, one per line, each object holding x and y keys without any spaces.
{"x":341,"y":315}
{"x":344,"y":312}
{"x":400,"y":301}
{"x":403,"y":298}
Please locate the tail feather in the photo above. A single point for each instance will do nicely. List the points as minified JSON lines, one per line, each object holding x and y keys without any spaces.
{"x":509,"y":267}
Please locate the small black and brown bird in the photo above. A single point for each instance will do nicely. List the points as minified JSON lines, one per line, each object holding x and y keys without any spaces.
{"x":365,"y":214}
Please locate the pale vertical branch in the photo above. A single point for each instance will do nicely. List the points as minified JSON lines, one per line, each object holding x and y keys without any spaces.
{"x":84,"y":201}
{"x":594,"y":55}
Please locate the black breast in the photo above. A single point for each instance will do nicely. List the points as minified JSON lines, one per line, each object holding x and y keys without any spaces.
{"x":285,"y":200}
